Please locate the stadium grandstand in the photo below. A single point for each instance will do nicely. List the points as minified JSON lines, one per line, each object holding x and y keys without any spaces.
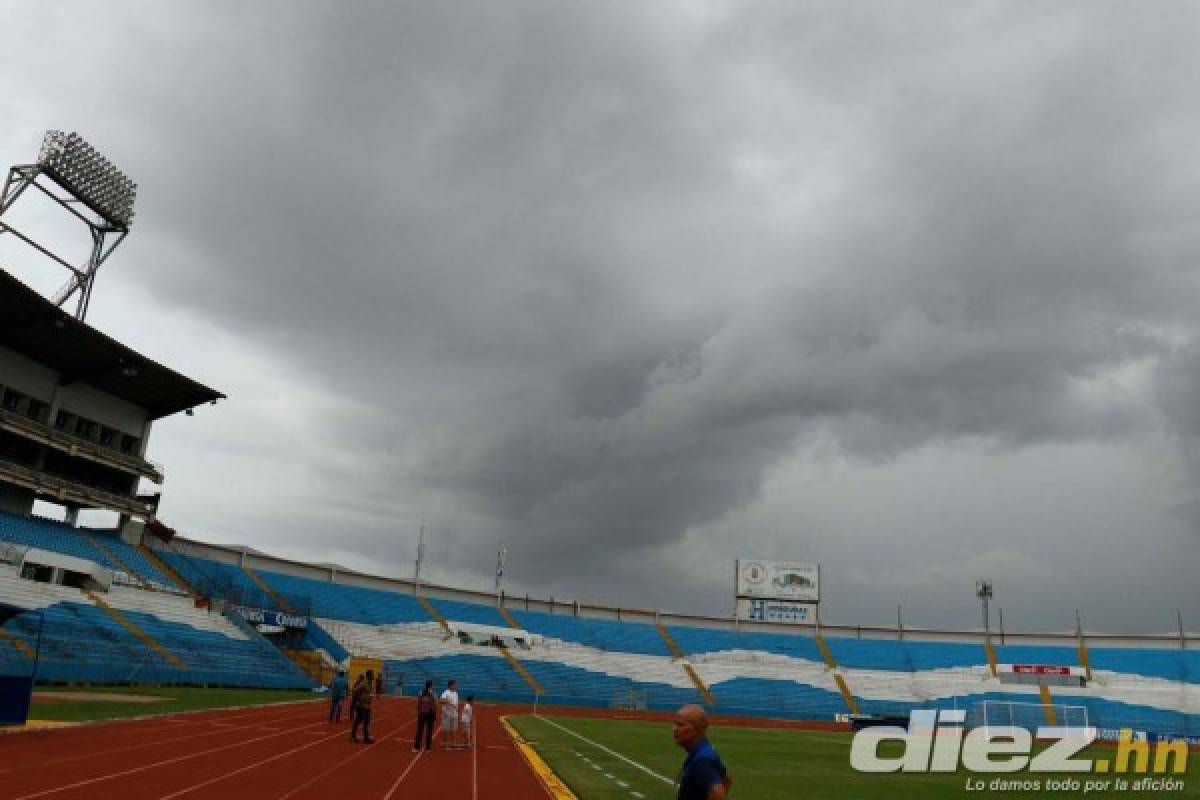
{"x":138,"y":604}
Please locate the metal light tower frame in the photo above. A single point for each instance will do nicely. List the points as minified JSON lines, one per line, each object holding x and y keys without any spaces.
{"x":92,"y":190}
{"x":983,"y":590}
{"x":501,"y":561}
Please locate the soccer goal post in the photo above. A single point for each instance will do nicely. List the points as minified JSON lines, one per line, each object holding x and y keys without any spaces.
{"x":1030,"y":716}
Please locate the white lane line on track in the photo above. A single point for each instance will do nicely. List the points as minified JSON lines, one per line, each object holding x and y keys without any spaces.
{"x":613,"y":753}
{"x":366,"y":749}
{"x":474,"y":733}
{"x":163,"y":763}
{"x":408,"y":769}
{"x":156,"y":743}
{"x":255,"y":765}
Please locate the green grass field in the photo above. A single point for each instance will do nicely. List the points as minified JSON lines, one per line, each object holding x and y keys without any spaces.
{"x":84,"y":703}
{"x":767,"y":764}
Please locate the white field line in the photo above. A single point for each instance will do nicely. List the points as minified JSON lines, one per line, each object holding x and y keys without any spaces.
{"x":613,"y":753}
{"x":408,"y":769}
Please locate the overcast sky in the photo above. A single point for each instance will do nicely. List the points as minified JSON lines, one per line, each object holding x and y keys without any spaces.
{"x":908,"y":289}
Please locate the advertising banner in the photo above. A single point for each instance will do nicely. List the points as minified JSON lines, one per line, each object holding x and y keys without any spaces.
{"x":779,"y":580}
{"x":272,"y":618}
{"x":783,"y":611}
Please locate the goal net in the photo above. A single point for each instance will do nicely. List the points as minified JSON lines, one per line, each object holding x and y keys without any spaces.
{"x":1030,"y":716}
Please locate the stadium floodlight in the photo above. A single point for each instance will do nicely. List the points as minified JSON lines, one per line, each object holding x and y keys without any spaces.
{"x":91,"y":184}
{"x":76,"y":166}
{"x":983,"y":590}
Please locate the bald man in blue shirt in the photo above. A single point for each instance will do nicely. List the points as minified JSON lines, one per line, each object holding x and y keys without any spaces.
{"x":703,"y":776}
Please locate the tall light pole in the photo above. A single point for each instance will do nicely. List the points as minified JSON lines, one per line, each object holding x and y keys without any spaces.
{"x":983,"y":590}
{"x":420,"y":558}
{"x":501,"y":560}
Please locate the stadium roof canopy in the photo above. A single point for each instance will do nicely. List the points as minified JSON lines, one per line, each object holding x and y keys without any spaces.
{"x":37,"y":329}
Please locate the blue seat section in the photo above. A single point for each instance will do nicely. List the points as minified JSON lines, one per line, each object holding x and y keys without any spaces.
{"x":943,"y":655}
{"x":487,"y":678}
{"x":776,"y":698}
{"x":491,"y":678}
{"x":869,"y":654}
{"x":81,"y":643}
{"x":1037,"y":654}
{"x":1111,"y":714}
{"x":223,"y":659}
{"x":48,"y":535}
{"x":604,"y":634}
{"x":469,"y":612}
{"x":205,"y":574}
{"x":133,"y":558}
{"x":1171,"y":665}
{"x":694,"y":641}
{"x":350,"y":603}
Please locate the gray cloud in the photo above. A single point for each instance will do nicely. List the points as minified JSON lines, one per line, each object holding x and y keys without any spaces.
{"x":582,"y":278}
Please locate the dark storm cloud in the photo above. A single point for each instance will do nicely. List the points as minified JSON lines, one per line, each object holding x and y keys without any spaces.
{"x":582,"y":275}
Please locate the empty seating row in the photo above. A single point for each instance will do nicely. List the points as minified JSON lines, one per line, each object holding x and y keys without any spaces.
{"x":81,"y":642}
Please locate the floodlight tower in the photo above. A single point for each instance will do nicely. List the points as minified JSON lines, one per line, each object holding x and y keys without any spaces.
{"x":91,"y":189}
{"x":983,"y":590}
{"x":501,"y":561}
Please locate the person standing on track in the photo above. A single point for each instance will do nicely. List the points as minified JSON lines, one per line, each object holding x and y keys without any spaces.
{"x":468,"y":717}
{"x":364,"y":695}
{"x":337,"y":695}
{"x":449,"y":705}
{"x":353,"y":693}
{"x":426,"y":717}
{"x":703,"y":776}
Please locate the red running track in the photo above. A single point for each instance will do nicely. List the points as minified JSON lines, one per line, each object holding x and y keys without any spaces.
{"x":286,"y":752}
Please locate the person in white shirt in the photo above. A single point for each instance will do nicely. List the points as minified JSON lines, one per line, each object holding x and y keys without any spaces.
{"x":468,"y":713}
{"x":448,"y":703}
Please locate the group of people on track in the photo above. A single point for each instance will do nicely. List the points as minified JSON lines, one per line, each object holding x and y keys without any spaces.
{"x":703,"y":776}
{"x":457,"y":723}
{"x":456,"y":719}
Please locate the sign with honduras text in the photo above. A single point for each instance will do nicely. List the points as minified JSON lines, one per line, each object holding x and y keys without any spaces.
{"x":779,"y":580}
{"x":785,"y":611}
{"x":277,"y":618}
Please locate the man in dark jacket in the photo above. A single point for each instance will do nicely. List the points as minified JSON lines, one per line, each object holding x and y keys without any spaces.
{"x":361,"y":700}
{"x":426,"y":715}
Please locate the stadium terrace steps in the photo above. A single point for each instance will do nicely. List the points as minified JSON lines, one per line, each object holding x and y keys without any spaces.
{"x":433,"y":613}
{"x":114,"y":558}
{"x":80,"y":642}
{"x":17,"y":643}
{"x":990,"y":651}
{"x":509,"y":620}
{"x":49,"y":535}
{"x":678,"y":654}
{"x":847,"y":697}
{"x":520,"y":670}
{"x":261,"y":584}
{"x":708,"y":696}
{"x":671,"y":644}
{"x":166,"y":569}
{"x":142,"y":636}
